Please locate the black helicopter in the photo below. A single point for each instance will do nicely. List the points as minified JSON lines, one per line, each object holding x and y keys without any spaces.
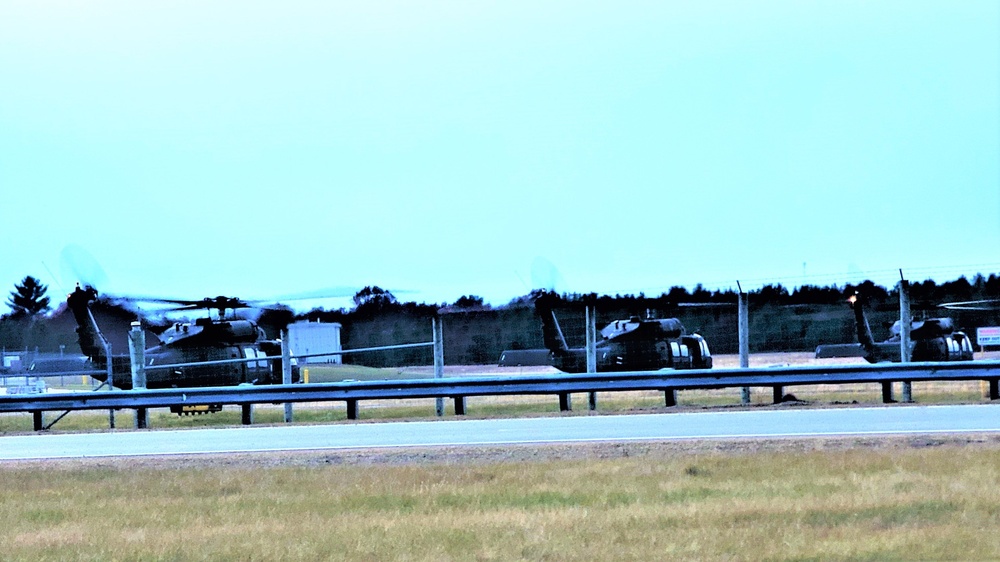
{"x":635,"y":344}
{"x":204,"y":339}
{"x":931,"y":339}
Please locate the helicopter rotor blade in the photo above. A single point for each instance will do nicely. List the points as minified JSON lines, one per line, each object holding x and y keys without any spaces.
{"x":223,"y":303}
{"x":327,"y":293}
{"x":188,"y":304}
{"x":187,"y":307}
{"x":278,"y":303}
{"x":76,"y":265}
{"x":984,"y":304}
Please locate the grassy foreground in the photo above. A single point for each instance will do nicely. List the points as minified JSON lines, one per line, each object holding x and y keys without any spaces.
{"x":869,"y":504}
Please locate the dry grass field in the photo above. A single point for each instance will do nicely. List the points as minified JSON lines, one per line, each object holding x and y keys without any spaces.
{"x":889,"y":499}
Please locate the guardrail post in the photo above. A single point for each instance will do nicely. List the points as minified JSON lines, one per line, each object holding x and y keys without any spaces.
{"x":37,"y":421}
{"x":459,"y":405}
{"x":286,"y":370}
{"x":904,"y":333}
{"x":887,"y":393}
{"x":670,"y":398}
{"x":778,"y":393}
{"x":994,"y":389}
{"x":438,"y":329}
{"x":246,"y":414}
{"x":743,"y":325}
{"x":565,"y":402}
{"x":352,"y":409}
{"x":137,"y":362}
{"x":591,"y":321}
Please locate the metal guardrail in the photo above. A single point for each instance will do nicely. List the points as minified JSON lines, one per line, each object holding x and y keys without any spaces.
{"x":139,"y":387}
{"x":459,"y":388}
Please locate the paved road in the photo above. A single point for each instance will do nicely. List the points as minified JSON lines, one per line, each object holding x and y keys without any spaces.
{"x":712,"y":425}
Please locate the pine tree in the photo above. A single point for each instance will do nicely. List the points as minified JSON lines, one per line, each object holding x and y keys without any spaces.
{"x":28,"y":298}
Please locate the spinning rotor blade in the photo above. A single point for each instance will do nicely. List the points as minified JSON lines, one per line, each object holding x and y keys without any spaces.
{"x":327,"y":293}
{"x":76,"y":265}
{"x":318,"y":294}
{"x":223,"y":303}
{"x":985,"y":304}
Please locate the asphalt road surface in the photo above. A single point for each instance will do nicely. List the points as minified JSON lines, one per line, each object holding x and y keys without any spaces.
{"x":892,"y":420}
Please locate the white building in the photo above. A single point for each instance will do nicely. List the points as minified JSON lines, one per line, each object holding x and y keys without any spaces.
{"x":307,"y":338}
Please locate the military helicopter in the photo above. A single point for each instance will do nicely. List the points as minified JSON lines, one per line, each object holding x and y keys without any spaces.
{"x":931,"y":339}
{"x":636,"y":344}
{"x":205,"y":339}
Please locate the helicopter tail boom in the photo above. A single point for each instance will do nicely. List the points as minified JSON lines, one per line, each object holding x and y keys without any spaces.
{"x":92,"y":342}
{"x":864,"y":331}
{"x":552,"y":334}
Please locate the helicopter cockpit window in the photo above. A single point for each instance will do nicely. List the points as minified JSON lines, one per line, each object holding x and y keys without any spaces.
{"x":966,"y":345}
{"x":953,"y":347}
{"x":251,"y":353}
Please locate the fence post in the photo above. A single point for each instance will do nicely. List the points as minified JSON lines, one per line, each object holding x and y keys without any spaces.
{"x":904,"y":333}
{"x":743,"y":327}
{"x":286,"y":370}
{"x":137,"y":362}
{"x":591,"y":321}
{"x":438,"y":329}
{"x":111,"y":382}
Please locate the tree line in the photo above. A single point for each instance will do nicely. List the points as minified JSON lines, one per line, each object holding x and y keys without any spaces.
{"x":781,"y":319}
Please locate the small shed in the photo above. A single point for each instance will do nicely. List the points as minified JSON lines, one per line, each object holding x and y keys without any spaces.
{"x":307,"y":338}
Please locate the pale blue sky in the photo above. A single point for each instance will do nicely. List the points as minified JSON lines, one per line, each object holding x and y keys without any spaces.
{"x":446,"y":148}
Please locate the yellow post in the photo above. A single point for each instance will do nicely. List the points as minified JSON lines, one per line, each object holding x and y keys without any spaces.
{"x":305,"y":376}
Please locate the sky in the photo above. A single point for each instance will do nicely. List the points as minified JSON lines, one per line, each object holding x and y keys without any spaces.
{"x":440,"y":149}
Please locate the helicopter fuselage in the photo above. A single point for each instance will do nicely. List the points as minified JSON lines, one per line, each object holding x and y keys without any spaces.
{"x":624,"y":345}
{"x":263,"y":371}
{"x":182,"y":344}
{"x":639,"y":345}
{"x":932,"y":339}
